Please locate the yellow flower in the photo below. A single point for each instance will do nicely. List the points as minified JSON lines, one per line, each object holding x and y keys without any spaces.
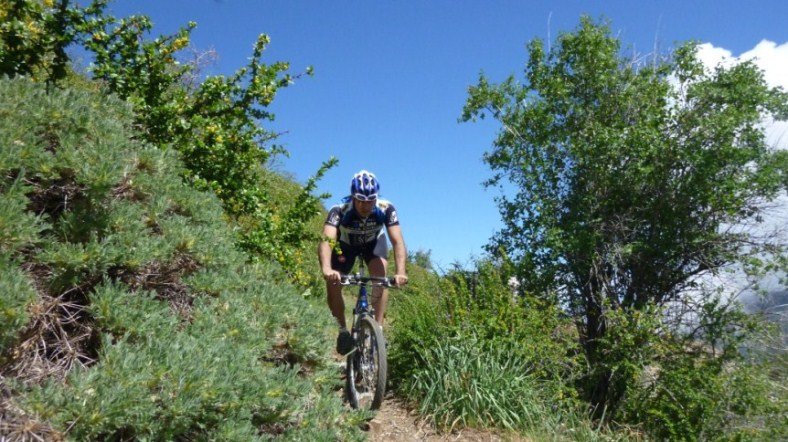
{"x":180,"y":43}
{"x":33,"y":27}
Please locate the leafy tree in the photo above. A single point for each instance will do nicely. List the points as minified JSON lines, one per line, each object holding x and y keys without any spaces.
{"x":633,"y":181}
{"x":216,"y":125}
{"x":421,"y":258}
{"x":27,"y":44}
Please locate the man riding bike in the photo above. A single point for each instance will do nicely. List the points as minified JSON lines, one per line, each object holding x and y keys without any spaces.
{"x":355,"y":228}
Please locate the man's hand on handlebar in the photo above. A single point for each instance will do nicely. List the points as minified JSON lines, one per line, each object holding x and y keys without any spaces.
{"x":375,"y":281}
{"x":400,"y":280}
{"x":331,"y":276}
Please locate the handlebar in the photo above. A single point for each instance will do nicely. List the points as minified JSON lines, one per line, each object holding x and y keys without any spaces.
{"x":376,"y":281}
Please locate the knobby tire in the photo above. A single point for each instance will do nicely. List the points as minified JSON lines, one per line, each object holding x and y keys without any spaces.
{"x":365,"y":384}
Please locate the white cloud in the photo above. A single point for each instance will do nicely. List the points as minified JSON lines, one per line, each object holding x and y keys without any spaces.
{"x":711,"y":56}
{"x":773,"y":60}
{"x":768,"y":55}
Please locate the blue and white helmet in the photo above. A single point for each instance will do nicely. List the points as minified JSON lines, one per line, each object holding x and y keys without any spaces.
{"x":364,"y":186}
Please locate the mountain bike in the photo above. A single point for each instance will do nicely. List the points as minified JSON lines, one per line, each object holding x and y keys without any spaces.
{"x":365,"y":384}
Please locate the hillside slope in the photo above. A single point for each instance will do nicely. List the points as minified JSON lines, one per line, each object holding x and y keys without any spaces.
{"x":126,"y":312}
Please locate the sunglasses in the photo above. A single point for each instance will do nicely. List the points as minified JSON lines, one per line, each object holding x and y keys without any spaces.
{"x":362,"y":197}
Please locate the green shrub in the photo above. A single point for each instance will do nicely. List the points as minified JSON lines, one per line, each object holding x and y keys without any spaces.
{"x":155,"y":381}
{"x":696,"y":398}
{"x":17,"y":294}
{"x":461,"y":342}
{"x":706,"y":382}
{"x":150,"y":323}
{"x":216,"y":126}
{"x":130,"y":316}
{"x":18,"y":228}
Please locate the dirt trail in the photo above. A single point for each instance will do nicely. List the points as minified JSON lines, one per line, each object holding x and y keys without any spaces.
{"x":394,"y":423}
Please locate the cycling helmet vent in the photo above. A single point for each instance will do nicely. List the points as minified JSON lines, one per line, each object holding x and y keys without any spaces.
{"x":364,"y":186}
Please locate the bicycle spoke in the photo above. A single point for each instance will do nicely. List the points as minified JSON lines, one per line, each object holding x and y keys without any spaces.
{"x":367,"y":369}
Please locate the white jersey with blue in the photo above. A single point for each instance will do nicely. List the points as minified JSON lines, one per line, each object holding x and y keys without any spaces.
{"x":357,"y":231}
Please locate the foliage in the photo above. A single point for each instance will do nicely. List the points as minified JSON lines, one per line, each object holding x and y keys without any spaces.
{"x":463,"y":381}
{"x":459,"y":340}
{"x":216,"y":129}
{"x":422,"y":259}
{"x":133,"y":314}
{"x":34,"y":35}
{"x":19,"y":229}
{"x":721,"y":402}
{"x":18,"y":293}
{"x":154,"y":381}
{"x":298,"y":216}
{"x":215,"y":125}
{"x":632,"y":183}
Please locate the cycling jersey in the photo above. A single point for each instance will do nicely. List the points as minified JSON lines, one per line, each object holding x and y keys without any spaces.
{"x":360,"y":236}
{"x":356,"y":231}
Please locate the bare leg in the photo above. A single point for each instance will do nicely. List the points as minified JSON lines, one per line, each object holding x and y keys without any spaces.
{"x":335,"y":303}
{"x":380,"y":295}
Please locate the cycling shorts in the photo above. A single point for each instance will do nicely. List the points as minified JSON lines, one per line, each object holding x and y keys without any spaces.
{"x":343,"y":263}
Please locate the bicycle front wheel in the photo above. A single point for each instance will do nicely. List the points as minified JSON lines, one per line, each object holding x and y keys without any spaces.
{"x":365,"y":384}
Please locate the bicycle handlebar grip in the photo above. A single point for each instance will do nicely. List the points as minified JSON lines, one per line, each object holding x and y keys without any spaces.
{"x":353,"y":279}
{"x":388,"y":282}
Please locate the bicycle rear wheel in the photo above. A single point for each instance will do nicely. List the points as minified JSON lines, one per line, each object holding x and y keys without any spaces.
{"x":365,"y":384}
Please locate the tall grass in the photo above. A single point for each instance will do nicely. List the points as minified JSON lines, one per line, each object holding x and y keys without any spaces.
{"x":467,"y":353}
{"x":466,"y":382}
{"x":474,"y":383}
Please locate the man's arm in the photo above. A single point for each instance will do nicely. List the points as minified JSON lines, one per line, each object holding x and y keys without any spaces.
{"x":400,"y":253}
{"x":330,"y":233}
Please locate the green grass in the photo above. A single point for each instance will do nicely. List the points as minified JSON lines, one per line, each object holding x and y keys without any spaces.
{"x":464,"y":382}
{"x":128,"y":312}
{"x":471,"y":384}
{"x":481,"y":358}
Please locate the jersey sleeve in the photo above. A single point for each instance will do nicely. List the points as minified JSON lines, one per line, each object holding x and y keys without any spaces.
{"x":391,"y":218}
{"x":334,"y":216}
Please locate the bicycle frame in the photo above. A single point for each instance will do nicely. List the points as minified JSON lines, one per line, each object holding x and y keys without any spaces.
{"x":366,"y":363}
{"x":362,"y":300}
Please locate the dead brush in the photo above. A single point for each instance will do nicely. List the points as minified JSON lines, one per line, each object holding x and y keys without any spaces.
{"x":55,"y":197}
{"x":59,"y":337}
{"x":165,"y":280}
{"x":17,"y":425}
{"x":126,"y":190}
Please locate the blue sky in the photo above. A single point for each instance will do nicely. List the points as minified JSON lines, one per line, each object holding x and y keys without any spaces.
{"x":391,"y":78}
